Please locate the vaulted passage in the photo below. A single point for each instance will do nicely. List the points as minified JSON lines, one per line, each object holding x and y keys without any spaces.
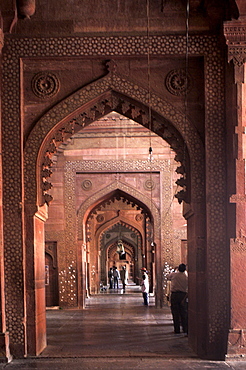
{"x":107,"y":187}
{"x":122,"y":143}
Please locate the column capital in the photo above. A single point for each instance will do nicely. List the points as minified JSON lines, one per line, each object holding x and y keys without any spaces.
{"x":235,"y":35}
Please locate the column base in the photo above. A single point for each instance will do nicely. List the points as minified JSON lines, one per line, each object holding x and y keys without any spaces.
{"x":5,"y":355}
{"x":236,"y":343}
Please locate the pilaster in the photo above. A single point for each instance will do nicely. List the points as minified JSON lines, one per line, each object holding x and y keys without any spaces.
{"x":235,"y":33}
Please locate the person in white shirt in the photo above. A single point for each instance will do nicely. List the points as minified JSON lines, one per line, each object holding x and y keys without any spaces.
{"x":145,"y":290}
{"x":179,"y":294}
{"x":124,"y":277}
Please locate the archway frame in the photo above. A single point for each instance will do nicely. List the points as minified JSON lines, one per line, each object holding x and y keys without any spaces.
{"x":146,"y":202}
{"x":105,"y":228}
{"x":101,"y":94}
{"x":211,"y":244}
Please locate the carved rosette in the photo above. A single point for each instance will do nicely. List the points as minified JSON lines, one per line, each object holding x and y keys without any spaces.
{"x":86,"y":185}
{"x":45,"y":85}
{"x":178,"y":82}
{"x":100,"y":218}
{"x":149,"y":185}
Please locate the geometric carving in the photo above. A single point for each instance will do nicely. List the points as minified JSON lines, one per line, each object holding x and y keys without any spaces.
{"x":45,"y":85}
{"x":236,"y":40}
{"x":178,"y":82}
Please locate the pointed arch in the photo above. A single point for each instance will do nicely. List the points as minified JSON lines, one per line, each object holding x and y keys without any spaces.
{"x":117,"y":185}
{"x":112,"y":92}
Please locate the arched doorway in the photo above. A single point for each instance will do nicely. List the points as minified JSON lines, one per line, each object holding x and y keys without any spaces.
{"x":166,"y":130}
{"x":120,"y":217}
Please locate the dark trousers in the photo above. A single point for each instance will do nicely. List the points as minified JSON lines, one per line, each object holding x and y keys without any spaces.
{"x":110,"y":282}
{"x":116,"y":282}
{"x":146,"y":299}
{"x":179,"y":311}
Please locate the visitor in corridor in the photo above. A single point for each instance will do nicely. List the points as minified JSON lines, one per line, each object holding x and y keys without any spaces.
{"x":116,"y":276}
{"x":145,"y":289}
{"x":124,"y":277}
{"x":110,"y":278}
{"x":179,"y":294}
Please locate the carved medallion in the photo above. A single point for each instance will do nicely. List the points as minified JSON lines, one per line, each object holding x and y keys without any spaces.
{"x":100,"y":218}
{"x":86,"y":185}
{"x":45,"y":85}
{"x":138,"y":218}
{"x":149,"y":184}
{"x":178,"y":82}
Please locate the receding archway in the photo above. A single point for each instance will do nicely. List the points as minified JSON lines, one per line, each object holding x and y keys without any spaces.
{"x":50,"y":132}
{"x":119,"y":216}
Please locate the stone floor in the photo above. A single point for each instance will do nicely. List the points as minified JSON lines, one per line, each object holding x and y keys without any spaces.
{"x":116,"y":331}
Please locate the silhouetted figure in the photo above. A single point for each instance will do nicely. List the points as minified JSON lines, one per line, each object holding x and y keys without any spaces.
{"x":179,"y":289}
{"x":116,"y":276}
{"x":110,"y":278}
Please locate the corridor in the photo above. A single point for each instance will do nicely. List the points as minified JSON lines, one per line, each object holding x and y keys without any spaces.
{"x":116,"y":331}
{"x":114,"y":326}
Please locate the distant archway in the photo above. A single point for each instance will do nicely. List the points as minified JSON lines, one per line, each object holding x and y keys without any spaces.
{"x":135,"y":224}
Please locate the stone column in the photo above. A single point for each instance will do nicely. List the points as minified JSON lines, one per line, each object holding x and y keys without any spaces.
{"x":5,"y":355}
{"x":235,"y":33}
{"x":35,"y":279}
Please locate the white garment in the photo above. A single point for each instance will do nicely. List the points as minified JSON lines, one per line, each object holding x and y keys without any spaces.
{"x":145,"y":286}
{"x":179,"y":281}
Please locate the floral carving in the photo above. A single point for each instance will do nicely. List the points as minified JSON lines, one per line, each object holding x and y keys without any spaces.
{"x":178,"y":82}
{"x":45,"y":85}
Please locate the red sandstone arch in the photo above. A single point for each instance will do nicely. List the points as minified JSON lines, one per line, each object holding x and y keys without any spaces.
{"x":148,"y":208}
{"x":112,"y":92}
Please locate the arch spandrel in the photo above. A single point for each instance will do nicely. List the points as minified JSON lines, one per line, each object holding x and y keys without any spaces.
{"x":60,"y":123}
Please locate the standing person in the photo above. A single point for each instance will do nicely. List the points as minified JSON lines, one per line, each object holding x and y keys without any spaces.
{"x":110,"y":278}
{"x":145,"y":289}
{"x":179,"y":289}
{"x":123,"y":276}
{"x":116,"y":276}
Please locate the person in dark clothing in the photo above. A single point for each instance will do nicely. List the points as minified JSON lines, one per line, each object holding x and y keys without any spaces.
{"x":110,"y":278}
{"x":179,"y":294}
{"x":116,"y":276}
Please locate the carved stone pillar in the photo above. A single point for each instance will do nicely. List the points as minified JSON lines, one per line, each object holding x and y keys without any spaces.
{"x":35,"y":278}
{"x":235,"y":33}
{"x":5,"y":355}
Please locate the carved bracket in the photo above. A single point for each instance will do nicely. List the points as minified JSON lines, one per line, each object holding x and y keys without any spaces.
{"x":235,"y":34}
